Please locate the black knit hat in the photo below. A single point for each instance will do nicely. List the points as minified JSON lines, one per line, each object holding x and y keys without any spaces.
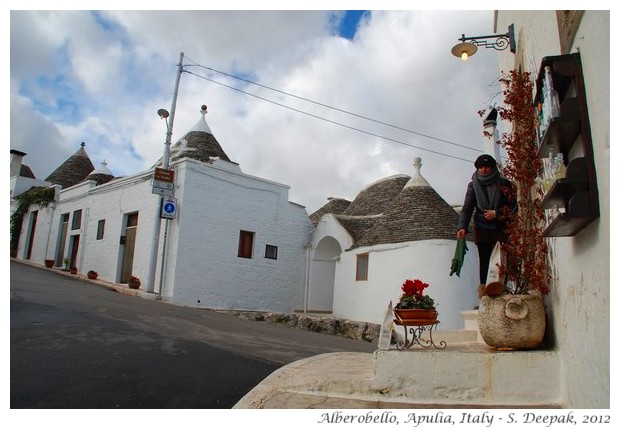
{"x":485,"y":160}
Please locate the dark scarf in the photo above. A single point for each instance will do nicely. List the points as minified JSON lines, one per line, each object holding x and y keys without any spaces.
{"x":487,"y":193}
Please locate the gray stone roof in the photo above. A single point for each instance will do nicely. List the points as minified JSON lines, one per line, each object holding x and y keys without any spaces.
{"x":199,"y":143}
{"x":395,"y":210}
{"x":357,"y":226}
{"x":375,"y":198}
{"x":418,"y":213}
{"x":26,"y":171}
{"x":333,"y":206}
{"x":74,"y":170}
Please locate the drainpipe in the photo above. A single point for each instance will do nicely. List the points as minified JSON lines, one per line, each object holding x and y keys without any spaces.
{"x":307,"y":279}
{"x":53,"y":208}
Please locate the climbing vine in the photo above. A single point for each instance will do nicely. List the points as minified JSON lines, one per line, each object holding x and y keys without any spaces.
{"x":35,"y":196}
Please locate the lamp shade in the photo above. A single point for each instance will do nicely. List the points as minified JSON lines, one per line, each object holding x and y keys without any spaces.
{"x":464,"y":50}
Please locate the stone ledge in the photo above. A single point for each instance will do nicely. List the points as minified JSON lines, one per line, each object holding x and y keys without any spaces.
{"x":325,"y":324}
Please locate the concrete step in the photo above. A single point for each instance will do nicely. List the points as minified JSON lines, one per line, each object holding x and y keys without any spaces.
{"x":468,"y":374}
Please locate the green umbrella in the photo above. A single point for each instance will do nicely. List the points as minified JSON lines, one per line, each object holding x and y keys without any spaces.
{"x":459,"y":256}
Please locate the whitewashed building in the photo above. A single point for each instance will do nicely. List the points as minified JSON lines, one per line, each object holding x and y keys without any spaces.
{"x":576,"y":45}
{"x":236,"y":242}
{"x":395,"y":229}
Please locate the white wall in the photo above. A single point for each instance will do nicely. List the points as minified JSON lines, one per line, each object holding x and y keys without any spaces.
{"x":111,"y":202}
{"x":202,"y":267}
{"x":328,"y":241}
{"x":214,"y":205}
{"x":579,"y":301}
{"x":390,"y":265}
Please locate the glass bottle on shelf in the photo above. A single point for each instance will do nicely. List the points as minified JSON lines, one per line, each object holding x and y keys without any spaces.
{"x":548,"y":171}
{"x":539,"y":124}
{"x":559,"y":169}
{"x":551,"y":102}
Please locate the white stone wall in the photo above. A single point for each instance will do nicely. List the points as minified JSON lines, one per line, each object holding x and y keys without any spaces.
{"x":111,"y":202}
{"x":214,"y":205}
{"x":391,"y":264}
{"x":329,"y":240}
{"x":202,"y":267}
{"x":579,"y":302}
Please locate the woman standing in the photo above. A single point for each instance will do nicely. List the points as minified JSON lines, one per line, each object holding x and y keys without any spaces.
{"x":492,"y":198}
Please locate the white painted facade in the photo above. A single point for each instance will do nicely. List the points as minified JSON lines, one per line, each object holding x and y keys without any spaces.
{"x":579,"y":302}
{"x":389,"y":265}
{"x":333,"y":285}
{"x":215,"y":202}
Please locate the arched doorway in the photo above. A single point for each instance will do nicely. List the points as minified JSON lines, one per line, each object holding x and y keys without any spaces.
{"x":322,"y":275}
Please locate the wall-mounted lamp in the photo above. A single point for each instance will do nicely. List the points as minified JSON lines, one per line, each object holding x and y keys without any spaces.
{"x":469,"y":45}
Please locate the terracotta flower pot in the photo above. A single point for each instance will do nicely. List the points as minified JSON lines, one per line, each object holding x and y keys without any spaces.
{"x":49,"y":263}
{"x":415,"y":314}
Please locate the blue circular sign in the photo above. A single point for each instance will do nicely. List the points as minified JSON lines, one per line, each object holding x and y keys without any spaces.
{"x":169,"y":207}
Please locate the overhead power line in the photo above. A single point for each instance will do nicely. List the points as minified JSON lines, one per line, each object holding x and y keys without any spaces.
{"x":332,"y":108}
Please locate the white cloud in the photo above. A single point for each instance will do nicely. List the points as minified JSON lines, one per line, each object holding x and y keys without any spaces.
{"x":100,"y":78}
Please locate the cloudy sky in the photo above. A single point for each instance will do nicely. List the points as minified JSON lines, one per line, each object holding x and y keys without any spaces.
{"x":326,"y":102}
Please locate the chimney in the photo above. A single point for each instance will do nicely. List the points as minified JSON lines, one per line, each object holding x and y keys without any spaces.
{"x":490,"y":137}
{"x":16,"y":162}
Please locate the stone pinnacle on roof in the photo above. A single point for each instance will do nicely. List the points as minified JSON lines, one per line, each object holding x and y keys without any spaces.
{"x":202,"y":125}
{"x":417,"y":179}
{"x":74,"y":170}
{"x":101,"y":174}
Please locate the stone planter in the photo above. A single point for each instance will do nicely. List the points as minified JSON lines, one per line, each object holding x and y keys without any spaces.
{"x":512,"y":321}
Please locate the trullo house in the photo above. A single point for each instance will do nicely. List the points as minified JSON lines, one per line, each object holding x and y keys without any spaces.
{"x":395,"y":229}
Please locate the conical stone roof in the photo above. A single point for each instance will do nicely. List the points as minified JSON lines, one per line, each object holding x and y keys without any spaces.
{"x":74,"y":170}
{"x":333,"y":206}
{"x":26,"y":171}
{"x":199,"y":143}
{"x":417,"y":213}
{"x":375,"y":198}
{"x":101,"y":174}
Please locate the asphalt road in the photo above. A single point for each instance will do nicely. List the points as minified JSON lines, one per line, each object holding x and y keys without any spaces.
{"x":76,"y":345}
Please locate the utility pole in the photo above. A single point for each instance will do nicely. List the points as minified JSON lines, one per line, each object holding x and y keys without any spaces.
{"x":163,"y":114}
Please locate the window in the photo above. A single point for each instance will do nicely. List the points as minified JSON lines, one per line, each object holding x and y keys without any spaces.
{"x":361,"y":272}
{"x":271,"y":252}
{"x":77,"y":220}
{"x":246,"y":243}
{"x":100,"y":228}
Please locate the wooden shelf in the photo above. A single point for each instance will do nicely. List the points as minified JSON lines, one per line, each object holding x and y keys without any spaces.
{"x":561,"y":189}
{"x":577,"y":194}
{"x":563,"y":130}
{"x":567,"y":225}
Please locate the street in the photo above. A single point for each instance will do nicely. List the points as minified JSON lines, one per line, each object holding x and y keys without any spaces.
{"x":79,"y":345}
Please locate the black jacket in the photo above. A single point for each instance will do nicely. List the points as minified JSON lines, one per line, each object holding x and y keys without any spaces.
{"x":506,"y":205}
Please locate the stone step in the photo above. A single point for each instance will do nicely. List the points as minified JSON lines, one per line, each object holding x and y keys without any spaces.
{"x":468,"y":374}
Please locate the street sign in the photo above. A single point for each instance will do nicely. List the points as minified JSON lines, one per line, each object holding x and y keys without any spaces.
{"x":163,"y":175}
{"x":163,"y":182}
{"x":169,"y":208}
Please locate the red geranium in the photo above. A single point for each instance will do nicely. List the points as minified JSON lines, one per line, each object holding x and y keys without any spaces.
{"x":414,"y":287}
{"x":413,"y":296}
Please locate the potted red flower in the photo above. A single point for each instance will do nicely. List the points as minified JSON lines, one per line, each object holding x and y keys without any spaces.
{"x":413,"y":304}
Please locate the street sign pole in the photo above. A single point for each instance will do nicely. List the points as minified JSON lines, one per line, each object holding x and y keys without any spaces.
{"x":166,"y":165}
